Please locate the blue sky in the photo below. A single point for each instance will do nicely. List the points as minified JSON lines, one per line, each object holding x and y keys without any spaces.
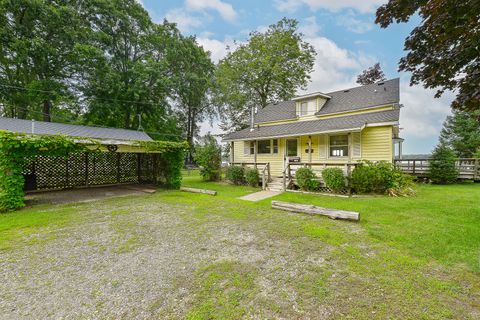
{"x":344,"y":35}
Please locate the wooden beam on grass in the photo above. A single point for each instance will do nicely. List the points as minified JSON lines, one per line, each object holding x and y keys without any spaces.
{"x":314,"y":210}
{"x":195,"y":190}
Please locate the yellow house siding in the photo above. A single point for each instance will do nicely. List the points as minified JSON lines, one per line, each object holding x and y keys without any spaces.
{"x":376,"y":143}
{"x":275,"y":159}
{"x":327,"y":116}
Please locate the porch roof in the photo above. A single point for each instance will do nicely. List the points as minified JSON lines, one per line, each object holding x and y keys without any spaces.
{"x":336,"y":124}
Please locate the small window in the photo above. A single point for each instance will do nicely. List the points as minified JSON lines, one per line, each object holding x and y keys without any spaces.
{"x":275,"y":145}
{"x":263,"y":146}
{"x":308,"y":108}
{"x":339,"y":146}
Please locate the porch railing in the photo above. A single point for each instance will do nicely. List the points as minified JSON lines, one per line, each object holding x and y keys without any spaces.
{"x":265,"y":171}
{"x":468,"y":168}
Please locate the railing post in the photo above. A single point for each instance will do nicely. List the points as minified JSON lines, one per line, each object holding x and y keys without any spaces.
{"x":476,"y":169}
{"x":269,"y":174}
{"x":413,"y":167}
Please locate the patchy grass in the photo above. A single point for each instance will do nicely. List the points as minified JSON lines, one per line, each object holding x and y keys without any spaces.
{"x":415,"y":258}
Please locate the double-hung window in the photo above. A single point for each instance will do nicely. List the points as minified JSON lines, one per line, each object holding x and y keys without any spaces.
{"x":339,"y":146}
{"x":307,"y":108}
{"x":269,"y":146}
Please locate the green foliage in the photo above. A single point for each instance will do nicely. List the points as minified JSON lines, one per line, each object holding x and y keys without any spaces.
{"x":251,"y":177}
{"x":461,"y":133}
{"x":306,"y":179}
{"x":15,"y":147}
{"x":442,"y":168}
{"x":271,"y":66}
{"x":334,"y":179}
{"x":209,"y":157}
{"x":442,"y":52}
{"x":382,"y":178}
{"x":235,"y":174}
{"x":13,"y":150}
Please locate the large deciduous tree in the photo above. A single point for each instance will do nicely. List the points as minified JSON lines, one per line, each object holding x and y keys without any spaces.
{"x":371,"y":75}
{"x":193,"y":73}
{"x":38,"y":55}
{"x":130,"y":85}
{"x":269,"y":67}
{"x":461,"y":133}
{"x":444,"y":50}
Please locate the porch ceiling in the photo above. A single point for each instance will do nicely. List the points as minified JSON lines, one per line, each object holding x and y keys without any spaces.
{"x":345,"y":123}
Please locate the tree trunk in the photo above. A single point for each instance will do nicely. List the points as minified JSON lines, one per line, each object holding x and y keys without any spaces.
{"x":22,"y":112}
{"x":47,"y":111}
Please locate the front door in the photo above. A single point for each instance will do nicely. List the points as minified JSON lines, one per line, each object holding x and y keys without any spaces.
{"x":291,"y":149}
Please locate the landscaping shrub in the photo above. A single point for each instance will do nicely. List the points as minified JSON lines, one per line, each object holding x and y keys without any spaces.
{"x":251,"y":177}
{"x":334,"y":179}
{"x":209,"y":157}
{"x":442,"y":168}
{"x":235,"y":174}
{"x":382,"y":178}
{"x":306,"y":179}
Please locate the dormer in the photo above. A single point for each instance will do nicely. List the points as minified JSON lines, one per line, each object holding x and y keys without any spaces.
{"x":309,"y":104}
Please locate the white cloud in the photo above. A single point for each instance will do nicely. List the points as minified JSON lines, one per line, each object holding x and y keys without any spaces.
{"x":351,"y":23}
{"x":310,"y":28}
{"x":185,"y":21}
{"x":422,"y":115}
{"x":225,"y":10}
{"x":363,"y":6}
{"x":217,"y":48}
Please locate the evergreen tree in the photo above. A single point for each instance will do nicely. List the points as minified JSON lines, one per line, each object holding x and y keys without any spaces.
{"x":461,"y":132}
{"x":442,"y":168}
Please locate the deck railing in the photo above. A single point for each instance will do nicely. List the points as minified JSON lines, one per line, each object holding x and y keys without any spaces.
{"x":468,"y":168}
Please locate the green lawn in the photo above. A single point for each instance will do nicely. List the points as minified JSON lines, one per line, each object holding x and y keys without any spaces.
{"x":415,"y":258}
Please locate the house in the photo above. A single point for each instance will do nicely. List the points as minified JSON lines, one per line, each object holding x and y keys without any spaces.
{"x":117,"y":157}
{"x":340,"y":127}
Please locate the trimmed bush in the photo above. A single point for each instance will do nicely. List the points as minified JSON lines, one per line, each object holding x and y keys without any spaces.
{"x":209,"y":157}
{"x":251,"y":177}
{"x":306,"y":179}
{"x":442,"y":168}
{"x":382,"y":178}
{"x":334,"y":179}
{"x":235,"y":175}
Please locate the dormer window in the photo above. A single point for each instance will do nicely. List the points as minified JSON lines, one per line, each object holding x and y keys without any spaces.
{"x":307,"y":108}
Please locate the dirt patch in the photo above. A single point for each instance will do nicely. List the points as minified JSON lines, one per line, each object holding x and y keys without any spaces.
{"x":85,"y":194}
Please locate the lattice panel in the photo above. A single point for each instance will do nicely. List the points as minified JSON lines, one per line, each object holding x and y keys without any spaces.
{"x":50,"y":172}
{"x":102,"y":168}
{"x":85,"y":169}
{"x":128,"y":167}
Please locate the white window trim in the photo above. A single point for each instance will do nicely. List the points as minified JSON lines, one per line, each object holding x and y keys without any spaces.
{"x":307,"y":101}
{"x":299,"y":147}
{"x":348,"y":146}
{"x":271,"y":147}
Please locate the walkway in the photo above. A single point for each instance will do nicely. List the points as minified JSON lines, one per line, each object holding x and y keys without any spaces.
{"x":257,"y":196}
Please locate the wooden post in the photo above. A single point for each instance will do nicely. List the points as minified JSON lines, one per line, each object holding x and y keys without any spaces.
{"x":310,"y":150}
{"x":476,"y":169}
{"x":86,"y":169}
{"x":269,"y":174}
{"x":255,"y":154}
{"x":349,"y":174}
{"x":314,"y":210}
{"x":285,"y":179}
{"x":413,"y":167}
{"x":232,"y":152}
{"x":118,"y":167}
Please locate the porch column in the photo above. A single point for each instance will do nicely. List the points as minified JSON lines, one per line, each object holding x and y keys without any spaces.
{"x":255,"y":153}
{"x":400,"y":149}
{"x":309,"y":149}
{"x":232,"y":153}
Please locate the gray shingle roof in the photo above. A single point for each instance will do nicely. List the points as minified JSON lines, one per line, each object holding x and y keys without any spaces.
{"x":377,"y":94}
{"x":41,"y":127}
{"x":296,"y":128}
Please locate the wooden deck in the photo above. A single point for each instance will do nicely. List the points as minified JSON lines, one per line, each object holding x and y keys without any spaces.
{"x":468,"y":168}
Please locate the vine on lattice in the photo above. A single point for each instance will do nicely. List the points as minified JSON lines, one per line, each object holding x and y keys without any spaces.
{"x":16,"y":148}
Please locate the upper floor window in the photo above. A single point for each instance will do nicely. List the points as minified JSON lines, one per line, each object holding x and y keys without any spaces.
{"x":339,"y":146}
{"x":307,"y":108}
